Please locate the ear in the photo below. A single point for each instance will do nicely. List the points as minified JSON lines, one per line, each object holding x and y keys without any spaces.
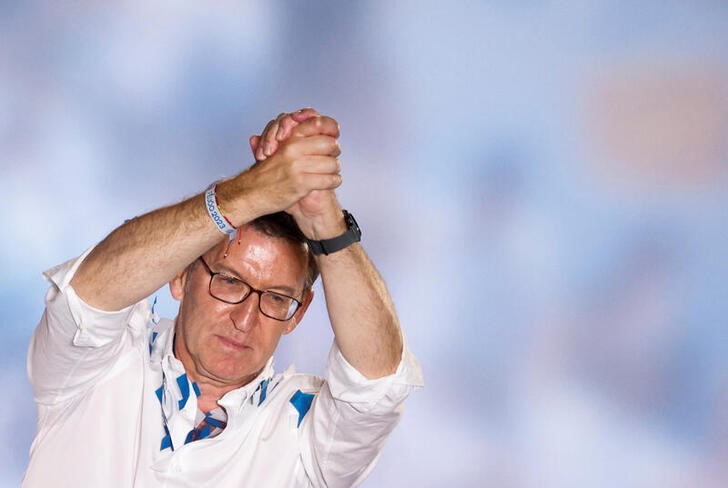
{"x":177,"y":285}
{"x":307,"y":299}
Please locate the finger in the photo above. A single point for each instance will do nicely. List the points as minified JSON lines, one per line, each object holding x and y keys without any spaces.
{"x":293,"y":119}
{"x":270,"y":144}
{"x":260,"y":153}
{"x":304,"y":113}
{"x":319,"y":164}
{"x":254,"y":142}
{"x":317,"y":181}
{"x":319,"y":124}
{"x":317,"y":145}
{"x":285,"y":126}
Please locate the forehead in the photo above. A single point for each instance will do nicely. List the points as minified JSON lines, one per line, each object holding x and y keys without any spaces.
{"x":255,"y":256}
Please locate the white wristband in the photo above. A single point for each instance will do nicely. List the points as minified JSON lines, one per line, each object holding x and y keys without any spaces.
{"x":220,"y":221}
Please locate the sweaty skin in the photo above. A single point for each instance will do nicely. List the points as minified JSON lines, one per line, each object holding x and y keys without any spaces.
{"x":225,"y":346}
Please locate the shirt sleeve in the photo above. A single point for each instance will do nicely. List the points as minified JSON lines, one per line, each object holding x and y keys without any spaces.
{"x":351,"y":418}
{"x":75,"y":344}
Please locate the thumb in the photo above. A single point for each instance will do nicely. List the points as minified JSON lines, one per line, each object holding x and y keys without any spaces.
{"x":303,"y":114}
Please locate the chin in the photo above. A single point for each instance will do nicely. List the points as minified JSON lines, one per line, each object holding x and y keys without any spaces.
{"x":233,"y":373}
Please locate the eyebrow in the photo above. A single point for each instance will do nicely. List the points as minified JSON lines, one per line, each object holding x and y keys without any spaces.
{"x":226,"y":270}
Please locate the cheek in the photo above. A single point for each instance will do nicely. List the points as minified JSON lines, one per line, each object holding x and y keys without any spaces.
{"x":201,"y":320}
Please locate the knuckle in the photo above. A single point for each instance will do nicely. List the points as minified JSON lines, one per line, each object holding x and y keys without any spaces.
{"x":297,"y":166}
{"x":287,"y":151}
{"x":335,"y":148}
{"x":298,"y":178}
{"x":289,"y":172}
{"x":287,"y":123}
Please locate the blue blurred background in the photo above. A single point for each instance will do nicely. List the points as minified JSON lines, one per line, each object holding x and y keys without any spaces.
{"x":543,"y":185}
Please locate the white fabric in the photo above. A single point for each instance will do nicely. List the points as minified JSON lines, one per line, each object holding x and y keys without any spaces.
{"x":100,"y":422}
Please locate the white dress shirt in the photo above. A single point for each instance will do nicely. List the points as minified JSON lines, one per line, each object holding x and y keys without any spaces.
{"x":115,"y":408}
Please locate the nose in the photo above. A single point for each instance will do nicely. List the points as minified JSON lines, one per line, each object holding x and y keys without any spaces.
{"x":244,"y":315}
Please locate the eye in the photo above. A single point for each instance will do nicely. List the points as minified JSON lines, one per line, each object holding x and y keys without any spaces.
{"x":228,"y":280}
{"x":278,"y":299}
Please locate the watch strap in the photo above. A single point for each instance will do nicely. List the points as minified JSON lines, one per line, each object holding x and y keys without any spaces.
{"x":328,"y":246}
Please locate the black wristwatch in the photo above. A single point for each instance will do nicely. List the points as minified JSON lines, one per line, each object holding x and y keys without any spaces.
{"x":327,"y":246}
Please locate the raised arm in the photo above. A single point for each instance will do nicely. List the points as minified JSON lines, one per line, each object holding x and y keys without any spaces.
{"x":360,"y":308}
{"x":147,"y":251}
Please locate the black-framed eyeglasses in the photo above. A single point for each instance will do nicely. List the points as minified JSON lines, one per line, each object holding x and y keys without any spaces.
{"x":232,"y":290}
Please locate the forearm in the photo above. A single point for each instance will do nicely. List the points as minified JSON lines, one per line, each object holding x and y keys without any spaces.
{"x":361,"y":311}
{"x":144,"y":253}
{"x":148,"y":251}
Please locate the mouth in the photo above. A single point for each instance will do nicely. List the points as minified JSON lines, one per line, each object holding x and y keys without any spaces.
{"x":235,"y":345}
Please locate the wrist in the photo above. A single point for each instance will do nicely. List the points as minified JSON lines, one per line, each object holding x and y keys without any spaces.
{"x":326,"y":226}
{"x":235,"y":202}
{"x":343,"y":239}
{"x":216,"y":213}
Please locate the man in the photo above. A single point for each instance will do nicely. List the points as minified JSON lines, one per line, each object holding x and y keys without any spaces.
{"x":125,"y":399}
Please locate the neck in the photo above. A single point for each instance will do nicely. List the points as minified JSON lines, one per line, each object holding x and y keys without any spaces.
{"x":210,"y":394}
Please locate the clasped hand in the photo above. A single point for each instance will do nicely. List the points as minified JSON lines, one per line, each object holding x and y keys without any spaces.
{"x":297,"y":169}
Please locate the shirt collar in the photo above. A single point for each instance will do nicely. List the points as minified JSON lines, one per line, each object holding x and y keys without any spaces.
{"x":176,"y":397}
